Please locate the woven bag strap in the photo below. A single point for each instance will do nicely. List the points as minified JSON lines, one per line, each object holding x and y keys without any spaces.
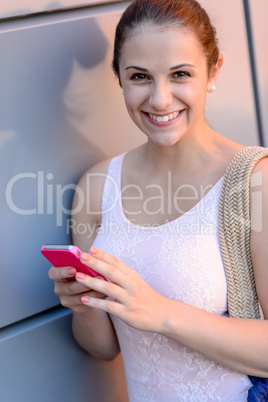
{"x":234,"y":233}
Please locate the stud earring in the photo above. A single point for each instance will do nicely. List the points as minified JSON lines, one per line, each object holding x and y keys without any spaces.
{"x":122,"y":92}
{"x":212,"y":88}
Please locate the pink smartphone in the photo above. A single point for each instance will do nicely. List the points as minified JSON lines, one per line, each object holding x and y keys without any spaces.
{"x":67,"y":255}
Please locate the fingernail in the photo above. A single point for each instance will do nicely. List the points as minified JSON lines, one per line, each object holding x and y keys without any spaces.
{"x":93,"y":250}
{"x":84,"y":299}
{"x":71,"y":271}
{"x":85,"y":256}
{"x":100,"y":277}
{"x":79,"y":275}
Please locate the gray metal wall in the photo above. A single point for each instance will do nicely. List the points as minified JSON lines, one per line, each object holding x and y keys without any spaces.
{"x":61,"y":110}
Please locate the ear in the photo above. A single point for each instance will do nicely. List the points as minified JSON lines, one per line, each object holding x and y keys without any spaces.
{"x":214,"y":74}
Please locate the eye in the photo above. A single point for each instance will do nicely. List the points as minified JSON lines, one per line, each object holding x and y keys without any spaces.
{"x":181,"y":74}
{"x":138,"y":77}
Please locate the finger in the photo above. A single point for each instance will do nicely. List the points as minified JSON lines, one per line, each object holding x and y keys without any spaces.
{"x":75,"y":305}
{"x":96,"y":295}
{"x":107,"y":258}
{"x":99,"y":285}
{"x":61,"y":273}
{"x":71,"y":301}
{"x":69,"y":288}
{"x":108,"y":270}
{"x":111,"y":307}
{"x":74,"y":301}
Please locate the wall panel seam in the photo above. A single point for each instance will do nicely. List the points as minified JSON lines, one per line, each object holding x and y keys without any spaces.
{"x":253,"y":71}
{"x":63,"y":10}
{"x":30,"y":323}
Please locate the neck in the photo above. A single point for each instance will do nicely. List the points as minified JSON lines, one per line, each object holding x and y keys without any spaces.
{"x":191,"y":153}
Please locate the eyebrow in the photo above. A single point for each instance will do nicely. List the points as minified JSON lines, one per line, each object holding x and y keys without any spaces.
{"x":171,"y":68}
{"x":136,"y":68}
{"x":181,"y":66}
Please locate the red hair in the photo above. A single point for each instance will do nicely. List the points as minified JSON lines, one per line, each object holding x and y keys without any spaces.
{"x":178,"y":13}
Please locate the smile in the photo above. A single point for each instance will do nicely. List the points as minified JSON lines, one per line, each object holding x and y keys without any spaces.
{"x":165,"y":118}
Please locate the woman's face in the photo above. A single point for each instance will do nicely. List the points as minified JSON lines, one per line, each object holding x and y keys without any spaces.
{"x":164,"y":76}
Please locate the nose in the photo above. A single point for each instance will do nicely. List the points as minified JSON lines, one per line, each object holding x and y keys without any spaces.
{"x":161,"y":96}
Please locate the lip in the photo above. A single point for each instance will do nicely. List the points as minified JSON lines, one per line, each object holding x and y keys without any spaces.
{"x":162,"y":123}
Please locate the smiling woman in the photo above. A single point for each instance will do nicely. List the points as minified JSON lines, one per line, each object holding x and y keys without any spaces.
{"x":164,"y":305}
{"x":165,"y":97}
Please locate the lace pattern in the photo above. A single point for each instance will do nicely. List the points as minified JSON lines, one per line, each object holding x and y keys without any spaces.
{"x":182,"y":261}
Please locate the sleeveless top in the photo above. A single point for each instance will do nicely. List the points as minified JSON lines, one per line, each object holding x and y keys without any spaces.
{"x":181,"y":260}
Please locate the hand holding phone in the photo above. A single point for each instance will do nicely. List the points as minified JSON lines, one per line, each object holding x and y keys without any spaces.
{"x":67,"y":255}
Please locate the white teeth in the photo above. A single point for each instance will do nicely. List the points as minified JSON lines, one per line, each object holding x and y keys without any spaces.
{"x":164,"y":119}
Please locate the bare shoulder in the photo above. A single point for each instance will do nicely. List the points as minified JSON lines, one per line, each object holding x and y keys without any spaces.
{"x":224,"y":148}
{"x":90,"y":186}
{"x":262,"y":165}
{"x":259,"y":182}
{"x":230,"y":148}
{"x":99,"y":170}
{"x":259,"y":230}
{"x":86,"y":207}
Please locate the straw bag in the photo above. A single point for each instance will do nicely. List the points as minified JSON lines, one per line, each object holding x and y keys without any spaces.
{"x":234,"y":238}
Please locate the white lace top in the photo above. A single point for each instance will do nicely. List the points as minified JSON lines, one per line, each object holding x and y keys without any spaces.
{"x":181,"y":260}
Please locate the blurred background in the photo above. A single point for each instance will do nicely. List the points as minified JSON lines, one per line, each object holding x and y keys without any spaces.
{"x":61,"y":111}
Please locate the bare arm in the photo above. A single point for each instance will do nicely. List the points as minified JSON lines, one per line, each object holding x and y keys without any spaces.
{"x":240,"y":344}
{"x":259,"y":236}
{"x":92,"y":328}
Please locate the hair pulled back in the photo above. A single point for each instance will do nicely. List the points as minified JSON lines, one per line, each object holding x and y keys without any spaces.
{"x":167,"y":13}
